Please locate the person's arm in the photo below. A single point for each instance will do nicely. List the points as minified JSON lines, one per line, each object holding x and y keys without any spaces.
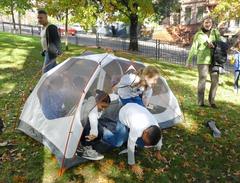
{"x":159,"y":144}
{"x":128,"y":80}
{"x":93,"y":119}
{"x":193,"y":50}
{"x":147,"y":95}
{"x":131,"y":148}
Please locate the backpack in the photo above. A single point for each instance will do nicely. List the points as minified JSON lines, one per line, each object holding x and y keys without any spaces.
{"x":219,"y":55}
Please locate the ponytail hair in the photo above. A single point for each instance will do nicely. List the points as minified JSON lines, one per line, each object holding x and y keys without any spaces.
{"x":148,"y":71}
{"x":102,"y":96}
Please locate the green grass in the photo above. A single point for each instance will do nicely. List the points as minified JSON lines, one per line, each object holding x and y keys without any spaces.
{"x":191,"y":153}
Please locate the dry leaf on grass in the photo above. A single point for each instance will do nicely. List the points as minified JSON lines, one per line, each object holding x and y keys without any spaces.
{"x":159,"y":171}
{"x":5,"y":157}
{"x":237,"y":173}
{"x":19,"y":179}
{"x":138,"y":171}
{"x":122,"y":165}
{"x":105,"y":166}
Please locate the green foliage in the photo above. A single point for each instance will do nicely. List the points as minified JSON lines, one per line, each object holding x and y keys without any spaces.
{"x":122,"y":9}
{"x":19,"y":5}
{"x":82,"y":12}
{"x":85,"y":16}
{"x":163,"y":8}
{"x":227,"y":9}
{"x":58,"y":7}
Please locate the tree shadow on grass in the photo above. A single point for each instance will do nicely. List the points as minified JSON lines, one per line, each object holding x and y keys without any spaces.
{"x":27,"y":160}
{"x":23,"y":161}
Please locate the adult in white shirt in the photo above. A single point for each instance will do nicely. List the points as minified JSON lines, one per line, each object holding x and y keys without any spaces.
{"x":142,"y":124}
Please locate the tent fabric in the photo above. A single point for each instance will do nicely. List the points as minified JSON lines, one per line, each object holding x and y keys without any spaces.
{"x":52,"y":113}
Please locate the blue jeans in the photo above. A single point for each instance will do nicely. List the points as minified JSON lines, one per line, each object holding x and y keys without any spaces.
{"x":116,"y":138}
{"x":137,"y":100}
{"x":236,"y":79}
{"x":48,"y":63}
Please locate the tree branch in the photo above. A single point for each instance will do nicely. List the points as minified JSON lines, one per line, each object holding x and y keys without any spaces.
{"x":123,"y":12}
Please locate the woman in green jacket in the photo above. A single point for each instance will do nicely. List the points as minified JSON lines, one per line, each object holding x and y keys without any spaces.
{"x":202,"y":47}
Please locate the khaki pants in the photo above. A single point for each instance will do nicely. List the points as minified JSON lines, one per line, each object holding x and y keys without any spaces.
{"x":203,"y":70}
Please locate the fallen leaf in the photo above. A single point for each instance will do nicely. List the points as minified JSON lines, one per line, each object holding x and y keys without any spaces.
{"x":3,"y":144}
{"x":19,"y":179}
{"x":106,"y":165}
{"x":122,"y":165}
{"x":237,"y":173}
{"x":138,"y":171}
{"x":159,"y":171}
{"x":19,"y":156}
{"x":186,"y":164}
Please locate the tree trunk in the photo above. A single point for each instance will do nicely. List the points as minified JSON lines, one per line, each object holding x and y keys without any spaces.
{"x":19,"y":22}
{"x":66,"y":30}
{"x":13,"y":19}
{"x":133,"y":46}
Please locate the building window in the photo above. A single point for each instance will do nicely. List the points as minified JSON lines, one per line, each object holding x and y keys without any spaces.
{"x":237,"y":22}
{"x":200,"y":11}
{"x":188,"y":15}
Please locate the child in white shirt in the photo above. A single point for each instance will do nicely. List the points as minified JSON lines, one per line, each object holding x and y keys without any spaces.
{"x":137,"y":87}
{"x":91,"y":112}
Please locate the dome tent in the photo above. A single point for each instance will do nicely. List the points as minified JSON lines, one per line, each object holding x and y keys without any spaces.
{"x":52,"y":113}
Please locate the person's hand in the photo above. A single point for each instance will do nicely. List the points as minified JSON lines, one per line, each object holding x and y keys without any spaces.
{"x":136,"y":169}
{"x":189,"y":66}
{"x":211,"y":45}
{"x":231,"y":60}
{"x":60,"y":53}
{"x":160,"y":157}
{"x":90,"y":137}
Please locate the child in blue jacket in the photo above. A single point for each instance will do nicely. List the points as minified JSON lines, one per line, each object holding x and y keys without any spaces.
{"x":236,"y":61}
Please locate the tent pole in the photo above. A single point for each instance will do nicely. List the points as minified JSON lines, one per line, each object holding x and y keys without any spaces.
{"x":66,"y":145}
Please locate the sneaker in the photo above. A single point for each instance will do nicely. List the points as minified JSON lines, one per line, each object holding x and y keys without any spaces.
{"x":88,"y":153}
{"x":214,"y":106}
{"x":212,"y":125}
{"x":202,"y":105}
{"x":80,"y":150}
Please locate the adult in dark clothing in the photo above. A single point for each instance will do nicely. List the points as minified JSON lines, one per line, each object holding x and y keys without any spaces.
{"x":50,"y":40}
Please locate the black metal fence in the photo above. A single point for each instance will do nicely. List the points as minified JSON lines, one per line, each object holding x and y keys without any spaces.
{"x":22,"y":29}
{"x":171,"y":53}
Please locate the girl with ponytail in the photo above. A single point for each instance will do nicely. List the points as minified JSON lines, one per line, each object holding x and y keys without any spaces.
{"x":137,"y":87}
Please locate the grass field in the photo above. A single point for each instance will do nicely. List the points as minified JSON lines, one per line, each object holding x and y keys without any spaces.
{"x":189,"y":153}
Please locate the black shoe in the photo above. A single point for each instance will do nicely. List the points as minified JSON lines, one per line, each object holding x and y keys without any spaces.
{"x":202,"y":105}
{"x":214,"y":106}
